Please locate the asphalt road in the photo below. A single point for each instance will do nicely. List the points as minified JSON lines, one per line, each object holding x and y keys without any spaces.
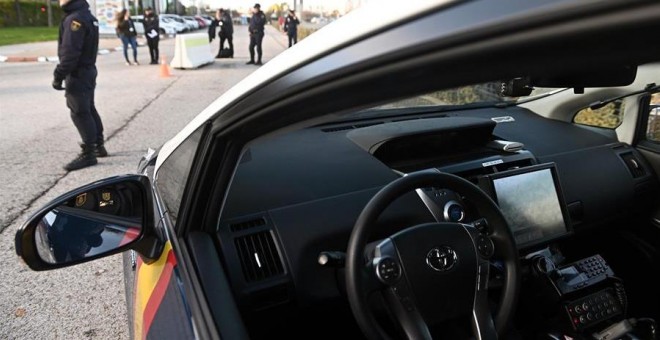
{"x":139,"y":110}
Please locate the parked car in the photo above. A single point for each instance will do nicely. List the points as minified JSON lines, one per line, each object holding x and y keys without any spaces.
{"x":167,"y":27}
{"x":192,"y":22}
{"x":207,"y":18}
{"x":319,"y":20}
{"x":406,"y":172}
{"x":170,"y":22}
{"x":203,"y":22}
{"x":178,"y":19}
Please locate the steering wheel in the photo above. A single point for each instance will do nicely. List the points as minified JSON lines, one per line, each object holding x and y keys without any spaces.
{"x":432,"y":272}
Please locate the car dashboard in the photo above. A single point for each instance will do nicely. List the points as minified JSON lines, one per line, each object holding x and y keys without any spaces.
{"x":298,"y":195}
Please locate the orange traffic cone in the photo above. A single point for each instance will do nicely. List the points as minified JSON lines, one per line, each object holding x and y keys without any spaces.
{"x":164,"y":68}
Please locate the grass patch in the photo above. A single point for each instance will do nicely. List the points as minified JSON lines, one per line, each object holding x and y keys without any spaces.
{"x":20,"y":35}
{"x":304,"y":32}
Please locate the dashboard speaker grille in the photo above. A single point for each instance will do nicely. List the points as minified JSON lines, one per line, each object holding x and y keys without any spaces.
{"x":259,"y":256}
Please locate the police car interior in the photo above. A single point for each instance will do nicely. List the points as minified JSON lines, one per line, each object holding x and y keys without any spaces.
{"x":495,"y":181}
{"x":577,"y":201}
{"x":313,"y":233}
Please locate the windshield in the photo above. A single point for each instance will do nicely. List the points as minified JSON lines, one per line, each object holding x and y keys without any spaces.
{"x":485,"y":94}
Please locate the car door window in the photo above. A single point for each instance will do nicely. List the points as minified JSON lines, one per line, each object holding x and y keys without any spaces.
{"x":609,"y":116}
{"x":653,"y":124}
{"x":172,"y":175}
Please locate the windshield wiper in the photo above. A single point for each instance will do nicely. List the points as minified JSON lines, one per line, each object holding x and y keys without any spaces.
{"x":652,"y":87}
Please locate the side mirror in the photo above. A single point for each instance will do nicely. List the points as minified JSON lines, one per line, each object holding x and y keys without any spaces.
{"x":97,"y":220}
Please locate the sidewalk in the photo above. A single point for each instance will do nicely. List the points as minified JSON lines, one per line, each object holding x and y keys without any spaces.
{"x":46,"y":51}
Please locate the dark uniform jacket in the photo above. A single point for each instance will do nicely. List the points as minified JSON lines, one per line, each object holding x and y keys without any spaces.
{"x":291,"y":25}
{"x":151,"y":26}
{"x":226,"y":26}
{"x":78,"y":43}
{"x":127,"y":28}
{"x":257,"y":23}
{"x":212,"y":26}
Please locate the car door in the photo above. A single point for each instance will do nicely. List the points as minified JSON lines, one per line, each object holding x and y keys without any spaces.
{"x":647,"y":142}
{"x":648,"y":129}
{"x":379,"y":66}
{"x":436,"y":47}
{"x":157,"y":299}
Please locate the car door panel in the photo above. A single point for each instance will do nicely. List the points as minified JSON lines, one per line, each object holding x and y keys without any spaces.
{"x":652,"y":158}
{"x":159,"y":306}
{"x":216,"y":287}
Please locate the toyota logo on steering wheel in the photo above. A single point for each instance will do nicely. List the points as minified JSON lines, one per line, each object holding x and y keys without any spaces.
{"x":441,"y":258}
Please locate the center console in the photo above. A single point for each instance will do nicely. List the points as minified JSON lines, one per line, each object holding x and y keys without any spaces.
{"x":587,"y":291}
{"x":580,"y":300}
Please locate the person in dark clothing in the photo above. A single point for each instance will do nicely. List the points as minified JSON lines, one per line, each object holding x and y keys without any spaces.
{"x":211,"y":30}
{"x":152,"y":33}
{"x":226,"y":31}
{"x":128,"y":35}
{"x":77,"y":48}
{"x":291,"y":27}
{"x":256,"y":29}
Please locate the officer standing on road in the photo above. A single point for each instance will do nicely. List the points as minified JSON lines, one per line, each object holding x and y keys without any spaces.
{"x":151,"y":32}
{"x":77,"y":48}
{"x":291,"y":27}
{"x":226,"y":31}
{"x":256,"y":30}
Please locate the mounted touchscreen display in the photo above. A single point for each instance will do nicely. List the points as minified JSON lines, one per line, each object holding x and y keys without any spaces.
{"x":531,"y":201}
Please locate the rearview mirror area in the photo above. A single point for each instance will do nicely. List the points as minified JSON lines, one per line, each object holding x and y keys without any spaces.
{"x":97,"y":220}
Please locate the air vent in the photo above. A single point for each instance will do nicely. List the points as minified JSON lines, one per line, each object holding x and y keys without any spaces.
{"x":247,"y":224}
{"x":349,"y":127}
{"x":259,"y":256}
{"x":634,"y":165}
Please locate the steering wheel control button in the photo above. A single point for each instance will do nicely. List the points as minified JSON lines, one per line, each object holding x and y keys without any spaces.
{"x":407,"y":304}
{"x":402,"y":293}
{"x":388,"y":270}
{"x":482,"y":225}
{"x":441,"y":259}
{"x":485,"y":246}
{"x":482,"y":276}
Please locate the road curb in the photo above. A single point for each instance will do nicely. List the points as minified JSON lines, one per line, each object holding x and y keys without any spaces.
{"x":53,"y":59}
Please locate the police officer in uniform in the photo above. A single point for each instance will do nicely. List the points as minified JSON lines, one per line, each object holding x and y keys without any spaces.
{"x":77,"y":48}
{"x":151,"y":32}
{"x":226,"y":31}
{"x":291,"y":27}
{"x":256,"y":30}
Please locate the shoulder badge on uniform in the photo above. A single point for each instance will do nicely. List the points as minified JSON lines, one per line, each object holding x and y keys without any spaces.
{"x":106,"y":196}
{"x":81,"y":199}
{"x":75,"y":25}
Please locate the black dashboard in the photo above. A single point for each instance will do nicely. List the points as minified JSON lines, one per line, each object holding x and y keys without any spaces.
{"x":296,"y":195}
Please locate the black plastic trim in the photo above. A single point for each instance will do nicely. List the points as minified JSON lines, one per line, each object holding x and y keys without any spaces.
{"x":216,"y":287}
